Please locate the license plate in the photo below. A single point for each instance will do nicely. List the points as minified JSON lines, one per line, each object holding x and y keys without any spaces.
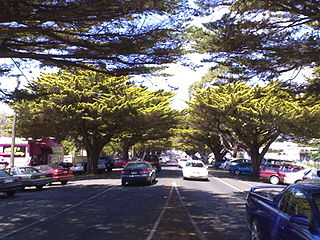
{"x":42,"y":176}
{"x":8,"y":180}
{"x":134,"y":172}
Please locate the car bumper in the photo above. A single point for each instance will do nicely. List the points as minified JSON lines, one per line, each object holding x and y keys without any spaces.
{"x":203,"y":177}
{"x":37,"y":182}
{"x":11,"y":187}
{"x":62,"y":178}
{"x":135,"y":178}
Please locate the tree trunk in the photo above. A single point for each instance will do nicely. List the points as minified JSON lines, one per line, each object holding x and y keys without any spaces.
{"x":125,"y":150}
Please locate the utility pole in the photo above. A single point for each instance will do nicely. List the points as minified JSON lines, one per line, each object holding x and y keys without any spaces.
{"x":13,"y":135}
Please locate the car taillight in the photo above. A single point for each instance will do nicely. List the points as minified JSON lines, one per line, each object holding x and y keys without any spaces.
{"x":123,"y":172}
{"x":304,"y":178}
{"x":144,"y":171}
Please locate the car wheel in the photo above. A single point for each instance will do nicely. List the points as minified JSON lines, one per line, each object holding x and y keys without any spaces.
{"x":39,"y":187}
{"x":274,"y":180}
{"x":237,"y":172}
{"x":109,"y":169}
{"x":255,"y":231}
{"x":11,"y":193}
{"x":64,"y":182}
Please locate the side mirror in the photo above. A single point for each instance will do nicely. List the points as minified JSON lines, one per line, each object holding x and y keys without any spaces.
{"x":300,"y":219}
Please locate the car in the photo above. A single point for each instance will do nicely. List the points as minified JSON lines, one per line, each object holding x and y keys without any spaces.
{"x":235,"y":161}
{"x":138,"y":172}
{"x":65,"y":164}
{"x":79,"y":168}
{"x":31,"y":177}
{"x":182,"y":162}
{"x":120,"y":162}
{"x":9,"y":184}
{"x":101,"y":166}
{"x":195,"y":169}
{"x":241,"y":168}
{"x":279,"y":173}
{"x":154,"y":160}
{"x":60,"y":174}
{"x":311,"y":174}
{"x":109,"y":162}
{"x":290,"y":212}
{"x":164,"y":159}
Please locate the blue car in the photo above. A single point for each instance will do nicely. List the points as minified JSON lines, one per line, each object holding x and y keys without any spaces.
{"x":278,"y":212}
{"x":241,"y":168}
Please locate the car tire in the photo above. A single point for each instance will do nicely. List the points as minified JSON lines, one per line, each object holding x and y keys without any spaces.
{"x":39,"y":187}
{"x":64,"y":182}
{"x":123,"y":183}
{"x":109,"y":169}
{"x":237,"y":172}
{"x":10,"y":193}
{"x":274,"y":180}
{"x":255,"y":231}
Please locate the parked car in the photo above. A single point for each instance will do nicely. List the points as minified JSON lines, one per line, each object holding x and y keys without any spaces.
{"x":227,"y":164}
{"x":311,"y":174}
{"x":292,"y":213}
{"x":79,"y":168}
{"x":154,"y":160}
{"x":182,"y":162}
{"x":280,"y":173}
{"x":241,"y":168}
{"x":195,"y":169}
{"x":138,"y":172}
{"x":109,"y":162}
{"x":65,"y":164}
{"x":59,"y":173}
{"x":120,"y":162}
{"x":31,"y":177}
{"x":164,"y":159}
{"x":9,"y":184}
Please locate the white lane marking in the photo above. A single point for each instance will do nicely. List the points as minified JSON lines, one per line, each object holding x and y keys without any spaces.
{"x":201,"y":235}
{"x":238,"y":189}
{"x":156,"y":224}
{"x":52,"y":216}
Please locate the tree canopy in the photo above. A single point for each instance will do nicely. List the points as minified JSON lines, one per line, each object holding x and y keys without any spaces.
{"x":261,"y":38}
{"x":114,"y":36}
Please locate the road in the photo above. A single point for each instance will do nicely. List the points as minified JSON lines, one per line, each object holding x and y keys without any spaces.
{"x":100,"y":208}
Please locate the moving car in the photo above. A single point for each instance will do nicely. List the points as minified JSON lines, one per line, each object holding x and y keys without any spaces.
{"x":291,"y":212}
{"x":195,"y":169}
{"x":9,"y":184}
{"x":241,"y":168}
{"x":31,"y":177}
{"x":138,"y":172}
{"x":59,"y":173}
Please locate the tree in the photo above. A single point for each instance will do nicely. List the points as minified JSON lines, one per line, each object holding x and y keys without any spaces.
{"x":86,"y":106}
{"x":261,"y":38}
{"x":117,"y":37}
{"x":257,"y":115}
{"x":154,"y":120}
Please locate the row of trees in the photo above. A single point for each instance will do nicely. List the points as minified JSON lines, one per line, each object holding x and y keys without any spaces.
{"x":92,"y":109}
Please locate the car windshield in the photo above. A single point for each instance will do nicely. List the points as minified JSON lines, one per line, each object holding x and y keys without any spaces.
{"x":54,"y":166}
{"x":137,"y":165}
{"x":4,"y":174}
{"x":28,"y":170}
{"x":194,"y":164}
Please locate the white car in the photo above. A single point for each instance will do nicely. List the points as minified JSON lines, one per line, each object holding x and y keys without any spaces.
{"x":195,"y":169}
{"x":182,"y":162}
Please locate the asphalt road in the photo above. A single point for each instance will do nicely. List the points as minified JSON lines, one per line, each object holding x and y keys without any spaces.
{"x":100,"y":208}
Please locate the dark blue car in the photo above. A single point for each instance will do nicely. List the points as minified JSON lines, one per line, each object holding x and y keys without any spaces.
{"x":292,"y":213}
{"x":241,"y":168}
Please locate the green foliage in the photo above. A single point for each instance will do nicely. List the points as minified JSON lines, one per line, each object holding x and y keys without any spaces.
{"x":259,"y":38}
{"x":118,"y":37}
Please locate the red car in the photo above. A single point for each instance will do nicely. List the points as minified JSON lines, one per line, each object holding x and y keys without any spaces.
{"x":59,"y":173}
{"x":276,"y":173}
{"x":120,"y":162}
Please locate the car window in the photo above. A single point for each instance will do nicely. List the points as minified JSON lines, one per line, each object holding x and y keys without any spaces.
{"x":138,"y":165}
{"x":29,"y":170}
{"x":4,"y":174}
{"x":294,"y":202}
{"x":194,"y":164}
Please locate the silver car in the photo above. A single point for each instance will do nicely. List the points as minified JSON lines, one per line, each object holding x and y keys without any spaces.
{"x":31,"y":176}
